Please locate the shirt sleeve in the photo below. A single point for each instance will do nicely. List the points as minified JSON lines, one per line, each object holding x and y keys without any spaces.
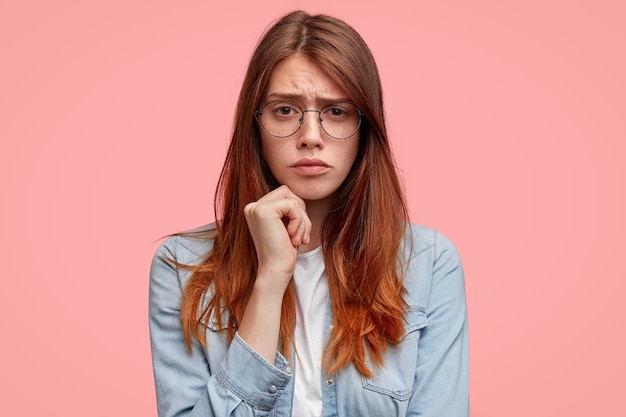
{"x":442,"y":362}
{"x":244,"y":384}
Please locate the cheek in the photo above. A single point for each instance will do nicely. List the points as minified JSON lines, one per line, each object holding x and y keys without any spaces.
{"x":350,"y":155}
{"x":271,"y":153}
{"x":266,"y":149}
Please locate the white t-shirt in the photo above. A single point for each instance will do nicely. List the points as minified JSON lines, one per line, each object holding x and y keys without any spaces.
{"x":311,"y":298}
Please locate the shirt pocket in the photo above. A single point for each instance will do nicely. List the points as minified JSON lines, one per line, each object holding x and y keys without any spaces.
{"x":397,"y":376}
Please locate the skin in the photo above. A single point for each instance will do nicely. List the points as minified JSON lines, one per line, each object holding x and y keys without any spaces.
{"x":311,"y":166}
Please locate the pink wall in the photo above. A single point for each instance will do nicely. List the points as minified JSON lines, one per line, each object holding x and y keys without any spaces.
{"x":509,"y":123}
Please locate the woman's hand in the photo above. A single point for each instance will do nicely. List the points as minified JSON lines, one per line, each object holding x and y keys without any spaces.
{"x":278,"y":223}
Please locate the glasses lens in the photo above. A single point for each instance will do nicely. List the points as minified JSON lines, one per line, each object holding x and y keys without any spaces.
{"x":281,"y":118}
{"x":340,"y":120}
{"x":284,"y":118}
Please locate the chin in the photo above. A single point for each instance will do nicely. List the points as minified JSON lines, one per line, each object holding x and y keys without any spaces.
{"x":311,"y":193}
{"x":309,"y":196}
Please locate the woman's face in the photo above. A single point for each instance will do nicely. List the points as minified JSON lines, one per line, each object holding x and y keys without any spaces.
{"x":310,"y":162}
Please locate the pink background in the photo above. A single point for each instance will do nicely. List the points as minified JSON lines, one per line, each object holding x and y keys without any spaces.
{"x":508,"y":121}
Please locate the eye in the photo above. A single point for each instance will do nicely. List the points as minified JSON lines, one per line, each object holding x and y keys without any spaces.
{"x":282,"y":109}
{"x":339,"y":111}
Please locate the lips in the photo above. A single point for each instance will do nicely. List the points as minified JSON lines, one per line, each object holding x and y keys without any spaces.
{"x":311,"y":166}
{"x":310,"y":163}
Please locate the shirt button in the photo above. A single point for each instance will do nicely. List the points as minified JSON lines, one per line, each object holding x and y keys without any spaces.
{"x":273,"y":389}
{"x":329,"y":381}
{"x":288,"y":369}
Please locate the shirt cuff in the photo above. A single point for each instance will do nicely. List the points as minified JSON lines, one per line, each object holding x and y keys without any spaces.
{"x":252,"y":378}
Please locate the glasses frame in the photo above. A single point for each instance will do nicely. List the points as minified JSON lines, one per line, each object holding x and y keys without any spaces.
{"x":259,"y":115}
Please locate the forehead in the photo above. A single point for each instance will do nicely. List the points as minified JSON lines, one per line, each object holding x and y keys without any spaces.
{"x":300,"y":78}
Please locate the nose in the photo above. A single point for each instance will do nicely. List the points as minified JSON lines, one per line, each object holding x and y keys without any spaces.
{"x":310,"y":133}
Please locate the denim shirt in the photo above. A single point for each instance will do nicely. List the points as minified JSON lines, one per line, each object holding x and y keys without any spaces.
{"x":426,"y":374}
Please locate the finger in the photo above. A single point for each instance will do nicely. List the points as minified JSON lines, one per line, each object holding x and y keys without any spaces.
{"x":307,"y":231}
{"x":297,"y":220}
{"x":307,"y":226}
{"x":283,"y":192}
{"x":286,"y":206}
{"x":299,"y":233}
{"x":303,"y":230}
{"x":286,"y":214}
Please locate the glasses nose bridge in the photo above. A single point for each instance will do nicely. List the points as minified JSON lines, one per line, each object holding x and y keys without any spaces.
{"x":319,"y":116}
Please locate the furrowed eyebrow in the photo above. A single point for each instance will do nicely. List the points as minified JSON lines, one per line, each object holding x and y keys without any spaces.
{"x":300,"y":97}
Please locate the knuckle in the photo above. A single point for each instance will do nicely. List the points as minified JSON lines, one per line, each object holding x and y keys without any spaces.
{"x":249,"y":209}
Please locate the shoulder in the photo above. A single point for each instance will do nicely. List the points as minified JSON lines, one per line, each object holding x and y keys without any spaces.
{"x":189,"y":247}
{"x":177,"y":251}
{"x":429,"y":256}
{"x":420,"y":240}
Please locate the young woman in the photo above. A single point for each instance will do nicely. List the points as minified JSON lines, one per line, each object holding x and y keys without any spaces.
{"x":312,"y":294}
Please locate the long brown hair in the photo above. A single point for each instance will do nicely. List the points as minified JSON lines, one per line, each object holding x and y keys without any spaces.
{"x":361,"y":234}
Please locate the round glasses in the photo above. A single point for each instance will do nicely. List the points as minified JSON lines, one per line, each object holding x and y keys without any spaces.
{"x":282,"y":119}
